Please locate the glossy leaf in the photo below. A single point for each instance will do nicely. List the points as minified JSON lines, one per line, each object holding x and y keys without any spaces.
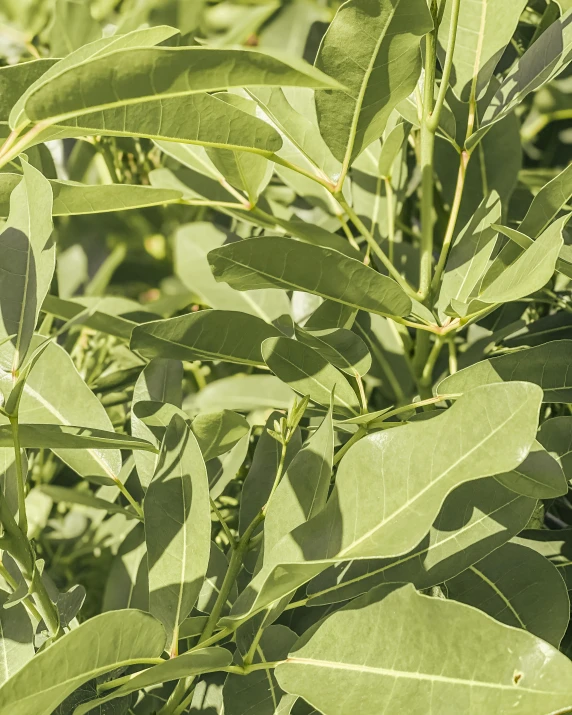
{"x":276,"y":262}
{"x":359,"y":527}
{"x":326,"y":667}
{"x":177,"y":529}
{"x":206,"y":335}
{"x":27,"y":262}
{"x":125,"y":638}
{"x":50,"y":436}
{"x":519,"y":587}
{"x":303,"y":490}
{"x":547,"y":203}
{"x":475,"y":519}
{"x":546,"y":365}
{"x":188,"y":664}
{"x":373,"y":49}
{"x":308,"y":373}
{"x":341,"y":348}
{"x":485,"y":28}
{"x":140,"y":75}
{"x":540,"y":476}
{"x":218,"y":432}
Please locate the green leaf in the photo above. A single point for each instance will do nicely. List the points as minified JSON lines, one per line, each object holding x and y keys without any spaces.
{"x":177,"y":529}
{"x":485,"y":28}
{"x":415,"y":471}
{"x":192,"y":663}
{"x":276,"y":262}
{"x":192,"y":244}
{"x":519,"y":587}
{"x":554,"y":546}
{"x":546,"y":365}
{"x":303,"y":490}
{"x":540,"y":476}
{"x":206,"y":335}
{"x":551,"y":198}
{"x":556,"y":437}
{"x":45,"y":402}
{"x":373,"y":49}
{"x":218,"y":432}
{"x":259,"y":692}
{"x":475,"y":519}
{"x":139,"y":38}
{"x":84,"y":498}
{"x":15,"y":78}
{"x":28,"y":262}
{"x":16,"y":638}
{"x":471,"y":253}
{"x":218,"y":566}
{"x":244,"y":171}
{"x":543,"y":61}
{"x":72,"y":27}
{"x":125,"y":77}
{"x":308,"y":373}
{"x":50,"y":436}
{"x":342,"y":348}
{"x":260,"y":479}
{"x":160,"y":381}
{"x":531,"y":270}
{"x":123,"y":638}
{"x":367,"y":654}
{"x":243,"y":393}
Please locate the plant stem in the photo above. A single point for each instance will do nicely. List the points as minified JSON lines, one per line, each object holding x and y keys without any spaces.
{"x":433,"y":119}
{"x":223,"y":523}
{"x":390,"y":196}
{"x":426,"y":379}
{"x":21,"y":486}
{"x":372,"y":243}
{"x":362,"y":431}
{"x":19,"y":547}
{"x":123,"y":489}
{"x":28,"y":603}
{"x":450,"y":231}
{"x":427,"y":154}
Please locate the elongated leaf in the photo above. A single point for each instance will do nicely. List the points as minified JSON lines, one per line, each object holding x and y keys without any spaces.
{"x":353,"y":525}
{"x":218,"y":432}
{"x":485,"y":28}
{"x":196,"y":662}
{"x":27,"y":268}
{"x":529,"y":272}
{"x":556,"y":546}
{"x":146,"y":37}
{"x":160,"y":381}
{"x":471,"y":253}
{"x":243,"y":393}
{"x":262,"y":473}
{"x":46,"y":402}
{"x":342,"y":348}
{"x":218,"y":566}
{"x":540,"y":476}
{"x":276,"y":262}
{"x":177,"y":529}
{"x":475,"y":519}
{"x":192,"y":244}
{"x":16,"y":639}
{"x":556,"y":437}
{"x":547,"y":203}
{"x":545,"y":59}
{"x":50,"y":436}
{"x":303,"y":490}
{"x":308,"y":373}
{"x":84,"y":498}
{"x":519,"y":587}
{"x":71,"y":198}
{"x":123,"y":638}
{"x":361,"y":659}
{"x":546,"y":365}
{"x":15,"y":79}
{"x":373,"y":49}
{"x":140,"y":75}
{"x":206,"y":335}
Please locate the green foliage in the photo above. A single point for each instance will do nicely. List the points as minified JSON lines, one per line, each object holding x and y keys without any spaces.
{"x":285,"y":357}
